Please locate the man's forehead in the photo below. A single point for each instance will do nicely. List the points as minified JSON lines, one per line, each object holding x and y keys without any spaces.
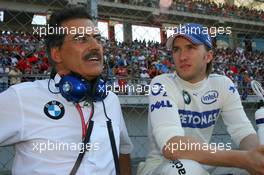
{"x":79,"y":26}
{"x":176,"y":41}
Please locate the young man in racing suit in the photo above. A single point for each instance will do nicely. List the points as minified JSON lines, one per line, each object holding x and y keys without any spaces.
{"x":184,"y":108}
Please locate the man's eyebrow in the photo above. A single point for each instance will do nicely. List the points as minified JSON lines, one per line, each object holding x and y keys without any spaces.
{"x":97,"y":35}
{"x":77,"y":35}
{"x":191,"y":44}
{"x":85,"y":34}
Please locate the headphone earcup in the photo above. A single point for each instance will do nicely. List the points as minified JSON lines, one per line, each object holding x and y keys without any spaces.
{"x":99,"y":90}
{"x":73,"y":88}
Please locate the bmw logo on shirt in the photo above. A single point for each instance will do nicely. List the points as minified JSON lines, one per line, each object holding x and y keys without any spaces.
{"x":186,"y":97}
{"x":54,"y":110}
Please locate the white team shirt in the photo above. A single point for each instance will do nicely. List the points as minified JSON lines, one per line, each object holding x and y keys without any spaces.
{"x":33,"y":118}
{"x":180,"y":108}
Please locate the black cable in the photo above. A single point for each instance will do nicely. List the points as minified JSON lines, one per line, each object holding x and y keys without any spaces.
{"x":105,"y":111}
{"x":50,"y":89}
{"x":113,"y":145}
{"x":112,"y":141}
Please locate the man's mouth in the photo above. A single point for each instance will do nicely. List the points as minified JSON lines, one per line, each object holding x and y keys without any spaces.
{"x":93,"y":59}
{"x":92,"y":56}
{"x":185,"y":66}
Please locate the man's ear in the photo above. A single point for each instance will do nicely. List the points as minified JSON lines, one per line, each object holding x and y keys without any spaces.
{"x":209,"y":56}
{"x":55,"y":54}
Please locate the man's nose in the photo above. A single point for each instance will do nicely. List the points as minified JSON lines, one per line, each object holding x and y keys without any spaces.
{"x":94,"y":44}
{"x":183,"y":55}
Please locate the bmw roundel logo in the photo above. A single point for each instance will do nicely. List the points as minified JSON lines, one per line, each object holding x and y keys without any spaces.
{"x":54,"y":110}
{"x":186,"y":97}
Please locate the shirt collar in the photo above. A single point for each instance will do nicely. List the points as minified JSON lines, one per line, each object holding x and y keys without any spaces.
{"x":57,"y":79}
{"x":189,"y":85}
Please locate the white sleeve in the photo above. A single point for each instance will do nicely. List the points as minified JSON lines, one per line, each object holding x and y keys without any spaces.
{"x":234,"y":116}
{"x":11,"y":118}
{"x":163,"y":113}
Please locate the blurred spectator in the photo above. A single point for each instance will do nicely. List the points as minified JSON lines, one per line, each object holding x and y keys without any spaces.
{"x":144,"y":77}
{"x":14,"y":76}
{"x":3,"y":78}
{"x":153,"y":71}
{"x":122,"y":74}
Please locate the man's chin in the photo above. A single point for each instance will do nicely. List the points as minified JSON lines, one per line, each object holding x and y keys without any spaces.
{"x":185,"y":77}
{"x":92,"y":76}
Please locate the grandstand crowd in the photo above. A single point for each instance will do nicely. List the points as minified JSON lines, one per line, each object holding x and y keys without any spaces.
{"x":22,"y":55}
{"x":205,"y":7}
{"x":222,"y":9}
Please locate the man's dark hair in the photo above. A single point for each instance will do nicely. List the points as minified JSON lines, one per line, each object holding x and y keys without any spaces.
{"x":56,"y":19}
{"x":209,"y":66}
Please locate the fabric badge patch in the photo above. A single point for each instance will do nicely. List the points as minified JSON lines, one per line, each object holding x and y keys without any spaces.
{"x":54,"y":110}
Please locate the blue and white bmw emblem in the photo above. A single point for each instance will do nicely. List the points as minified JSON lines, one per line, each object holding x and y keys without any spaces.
{"x":54,"y":110}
